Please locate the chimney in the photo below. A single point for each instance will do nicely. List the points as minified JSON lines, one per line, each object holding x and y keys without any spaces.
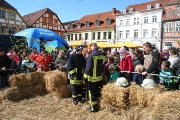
{"x":114,"y":10}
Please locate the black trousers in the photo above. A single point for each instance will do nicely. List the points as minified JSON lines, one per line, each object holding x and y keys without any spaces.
{"x":4,"y":77}
{"x":76,"y":92}
{"x":94,"y":91}
{"x":128,"y":76}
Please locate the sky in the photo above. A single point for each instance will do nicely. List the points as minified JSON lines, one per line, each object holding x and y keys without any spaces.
{"x":70,"y":10}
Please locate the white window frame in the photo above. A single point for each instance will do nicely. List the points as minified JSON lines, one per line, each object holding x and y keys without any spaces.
{"x":11,"y":15}
{"x":154,"y":18}
{"x":120,"y":34}
{"x":148,"y":7}
{"x":87,"y":23}
{"x":168,"y":26}
{"x":136,"y":33}
{"x":121,"y":23}
{"x":127,"y":33}
{"x":145,"y":33}
{"x":131,"y":10}
{"x":79,"y":25}
{"x":93,"y":36}
{"x":99,"y":36}
{"x":127,"y":21}
{"x":135,"y":20}
{"x":177,"y":26}
{"x":145,"y":19}
{"x":154,"y":32}
{"x":2,"y":13}
{"x":157,"y":5}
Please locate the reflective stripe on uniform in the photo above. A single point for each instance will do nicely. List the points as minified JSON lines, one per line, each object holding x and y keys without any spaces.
{"x":79,"y":95}
{"x":91,"y":102}
{"x":76,"y":82}
{"x":74,"y":96}
{"x":86,"y":76}
{"x":72,"y":71}
{"x":95,"y":79}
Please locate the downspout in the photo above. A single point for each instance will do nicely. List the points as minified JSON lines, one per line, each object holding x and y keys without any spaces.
{"x":162,"y":35}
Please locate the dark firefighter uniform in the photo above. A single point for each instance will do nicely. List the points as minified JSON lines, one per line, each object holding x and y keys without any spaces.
{"x":94,"y":75}
{"x":76,"y":65}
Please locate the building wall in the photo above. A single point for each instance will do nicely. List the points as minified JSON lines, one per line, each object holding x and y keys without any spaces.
{"x":90,"y":35}
{"x":140,"y":27}
{"x":17,"y":22}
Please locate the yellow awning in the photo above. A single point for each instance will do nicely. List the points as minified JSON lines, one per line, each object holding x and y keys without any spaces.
{"x":102,"y":44}
{"x":76,"y":43}
{"x":130,"y":44}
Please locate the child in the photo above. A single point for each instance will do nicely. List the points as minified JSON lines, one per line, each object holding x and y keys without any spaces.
{"x":28,"y":65}
{"x":165,"y":70}
{"x":113,"y":73}
{"x":138,"y":77}
{"x":110,"y":61}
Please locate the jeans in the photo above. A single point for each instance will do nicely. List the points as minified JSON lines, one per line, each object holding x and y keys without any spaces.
{"x":4,"y":76}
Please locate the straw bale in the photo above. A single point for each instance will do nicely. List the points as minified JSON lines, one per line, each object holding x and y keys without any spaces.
{"x":169,"y":99}
{"x":13,"y":94}
{"x":54,"y":80}
{"x":63,"y":91}
{"x":133,"y":94}
{"x":18,"y":80}
{"x":115,"y":95}
{"x":145,"y":97}
{"x":35,"y":78}
{"x":40,"y":89}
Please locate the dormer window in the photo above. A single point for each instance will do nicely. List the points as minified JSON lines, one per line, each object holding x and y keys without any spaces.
{"x":131,"y":10}
{"x":124,"y":11}
{"x":71,"y":26}
{"x":157,"y":5}
{"x":97,"y":23}
{"x":148,"y":7}
{"x":108,"y":21}
{"x":87,"y":24}
{"x":79,"y":25}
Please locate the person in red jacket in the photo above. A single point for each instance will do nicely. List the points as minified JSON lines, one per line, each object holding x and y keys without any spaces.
{"x":126,"y":63}
{"x":34,"y":54}
{"x":15,"y":57}
{"x":43,"y":61}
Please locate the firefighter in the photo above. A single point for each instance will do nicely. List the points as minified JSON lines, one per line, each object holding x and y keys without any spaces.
{"x":93,"y":75}
{"x":76,"y":65}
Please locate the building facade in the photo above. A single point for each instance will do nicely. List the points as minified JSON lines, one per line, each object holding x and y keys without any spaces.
{"x":47,"y":19}
{"x":94,"y":28}
{"x":141,"y":23}
{"x":10,"y":19}
{"x":171,"y":24}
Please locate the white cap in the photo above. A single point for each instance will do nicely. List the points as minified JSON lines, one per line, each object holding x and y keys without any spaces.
{"x":121,"y":82}
{"x":148,"y":83}
{"x":166,"y":48}
{"x":113,"y":51}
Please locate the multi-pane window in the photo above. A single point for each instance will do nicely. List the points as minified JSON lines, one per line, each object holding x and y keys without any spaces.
{"x":104,"y":35}
{"x":79,"y":36}
{"x":2,"y":14}
{"x":71,"y":26}
{"x":86,"y":36}
{"x":121,"y":23}
{"x":75,"y":36}
{"x":68,"y":36}
{"x":11,"y":15}
{"x":108,"y":21}
{"x":135,"y":20}
{"x":87,"y":24}
{"x":177,"y":26}
{"x":145,"y":19}
{"x":71,"y":36}
{"x":94,"y":35}
{"x":121,"y":34}
{"x":109,"y":35}
{"x":127,"y":34}
{"x":97,"y":22}
{"x":99,"y":35}
{"x":79,"y":25}
{"x":136,"y":33}
{"x":154,"y":18}
{"x":145,"y":33}
{"x":153,"y":32}
{"x":168,"y":26}
{"x":127,"y":21}
{"x":1,"y":29}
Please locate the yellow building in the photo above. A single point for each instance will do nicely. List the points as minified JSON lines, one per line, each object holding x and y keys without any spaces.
{"x":97,"y":27}
{"x":10,"y":19}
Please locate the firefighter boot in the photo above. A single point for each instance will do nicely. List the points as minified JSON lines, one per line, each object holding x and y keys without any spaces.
{"x":75,"y":101}
{"x":80,"y":99}
{"x":93,"y":109}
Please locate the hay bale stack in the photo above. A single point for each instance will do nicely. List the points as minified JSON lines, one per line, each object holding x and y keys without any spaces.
{"x":63,"y":91}
{"x":115,"y":95}
{"x":133,"y":94}
{"x":56,"y":84}
{"x":169,"y":99}
{"x":145,"y":97}
{"x":23,"y":80}
{"x":13,"y":94}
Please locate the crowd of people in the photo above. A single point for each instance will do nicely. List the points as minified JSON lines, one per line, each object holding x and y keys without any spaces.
{"x":93,"y":67}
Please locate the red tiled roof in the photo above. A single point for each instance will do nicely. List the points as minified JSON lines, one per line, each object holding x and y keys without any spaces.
{"x":93,"y":17}
{"x":5,"y":4}
{"x":33,"y":17}
{"x":143,"y":6}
